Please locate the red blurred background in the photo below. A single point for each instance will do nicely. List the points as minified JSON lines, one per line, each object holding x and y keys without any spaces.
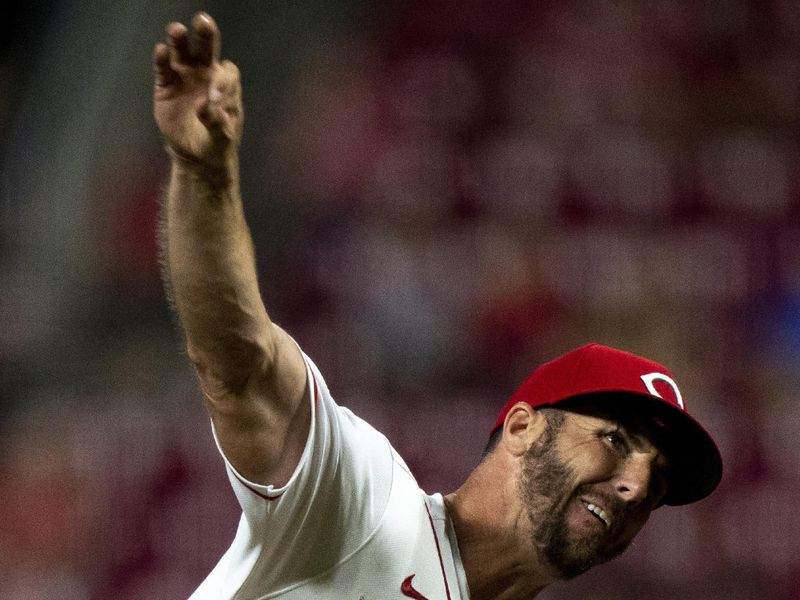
{"x":443,"y":195}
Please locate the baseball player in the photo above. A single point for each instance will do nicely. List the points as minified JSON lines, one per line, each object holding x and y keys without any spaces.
{"x":580,"y":455}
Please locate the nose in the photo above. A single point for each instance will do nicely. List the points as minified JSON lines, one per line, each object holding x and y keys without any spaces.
{"x":634,"y":478}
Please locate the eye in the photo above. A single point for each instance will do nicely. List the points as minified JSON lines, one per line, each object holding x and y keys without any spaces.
{"x":616,"y":440}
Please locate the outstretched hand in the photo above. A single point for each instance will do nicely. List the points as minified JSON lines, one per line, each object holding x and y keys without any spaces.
{"x":197,"y":97}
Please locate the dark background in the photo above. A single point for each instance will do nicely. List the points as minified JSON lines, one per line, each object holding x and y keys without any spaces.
{"x":443,"y":195}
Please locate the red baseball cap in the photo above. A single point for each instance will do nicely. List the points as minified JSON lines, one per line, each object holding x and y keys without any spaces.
{"x":595,"y":374}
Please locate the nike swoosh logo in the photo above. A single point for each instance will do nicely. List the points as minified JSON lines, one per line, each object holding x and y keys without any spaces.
{"x":408,"y":589}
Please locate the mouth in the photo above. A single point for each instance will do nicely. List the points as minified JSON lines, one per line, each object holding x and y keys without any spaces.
{"x":598,"y":512}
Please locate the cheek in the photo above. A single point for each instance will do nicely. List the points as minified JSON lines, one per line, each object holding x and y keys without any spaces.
{"x":593,"y":463}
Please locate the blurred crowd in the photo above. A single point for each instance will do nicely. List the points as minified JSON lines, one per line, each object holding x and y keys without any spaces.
{"x":442,"y":195}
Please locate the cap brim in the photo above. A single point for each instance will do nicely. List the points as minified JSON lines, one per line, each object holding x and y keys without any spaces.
{"x":695,"y":462}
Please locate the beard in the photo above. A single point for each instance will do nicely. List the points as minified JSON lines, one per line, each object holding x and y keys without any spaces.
{"x":546,"y":489}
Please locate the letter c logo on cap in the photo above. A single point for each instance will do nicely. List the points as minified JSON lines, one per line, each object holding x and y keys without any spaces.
{"x":651,"y":377}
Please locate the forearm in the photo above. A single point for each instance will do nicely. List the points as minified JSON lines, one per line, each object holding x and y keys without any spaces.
{"x":252,"y":373}
{"x":210,"y":267}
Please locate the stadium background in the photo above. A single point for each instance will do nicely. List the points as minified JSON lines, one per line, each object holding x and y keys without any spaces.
{"x":442,"y":194}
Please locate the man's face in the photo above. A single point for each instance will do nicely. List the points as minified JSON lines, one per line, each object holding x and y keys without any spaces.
{"x":589,"y":487}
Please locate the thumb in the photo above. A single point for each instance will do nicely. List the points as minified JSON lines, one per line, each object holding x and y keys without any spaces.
{"x":219,"y":109}
{"x":214,"y":117}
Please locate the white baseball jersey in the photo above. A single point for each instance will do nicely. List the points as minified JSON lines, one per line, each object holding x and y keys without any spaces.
{"x":351,"y":523}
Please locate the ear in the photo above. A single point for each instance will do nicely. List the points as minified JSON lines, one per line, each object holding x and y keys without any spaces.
{"x":522,"y":427}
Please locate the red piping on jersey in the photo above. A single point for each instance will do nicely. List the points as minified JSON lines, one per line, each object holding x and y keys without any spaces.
{"x":438,"y":550}
{"x":279,"y":494}
{"x":256,"y":492}
{"x":316,"y":393}
{"x":407,"y":588}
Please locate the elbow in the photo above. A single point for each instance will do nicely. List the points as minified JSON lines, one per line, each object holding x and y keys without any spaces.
{"x":227,"y":369}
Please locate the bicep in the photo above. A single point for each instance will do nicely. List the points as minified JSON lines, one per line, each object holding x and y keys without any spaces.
{"x":262,"y":426}
{"x":332,"y":502}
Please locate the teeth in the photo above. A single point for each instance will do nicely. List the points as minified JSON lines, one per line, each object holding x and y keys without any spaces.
{"x":599,"y":512}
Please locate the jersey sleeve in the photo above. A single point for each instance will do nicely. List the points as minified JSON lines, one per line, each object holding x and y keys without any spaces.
{"x":331,"y":505}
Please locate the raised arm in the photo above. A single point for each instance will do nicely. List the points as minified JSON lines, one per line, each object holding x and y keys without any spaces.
{"x":251,"y":373}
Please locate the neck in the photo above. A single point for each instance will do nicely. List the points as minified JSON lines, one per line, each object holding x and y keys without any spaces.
{"x":494,"y":539}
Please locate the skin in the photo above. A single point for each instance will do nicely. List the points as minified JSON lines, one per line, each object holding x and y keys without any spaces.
{"x":506,"y":532}
{"x":520,"y":517}
{"x":589,"y":449}
{"x":251,"y":373}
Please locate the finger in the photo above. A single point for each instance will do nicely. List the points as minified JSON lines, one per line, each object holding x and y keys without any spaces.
{"x":164,"y":75}
{"x":225,"y":89}
{"x":208,"y":39}
{"x":220,"y":110}
{"x":226,"y":81}
{"x":179,"y":40}
{"x":216,"y":119}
